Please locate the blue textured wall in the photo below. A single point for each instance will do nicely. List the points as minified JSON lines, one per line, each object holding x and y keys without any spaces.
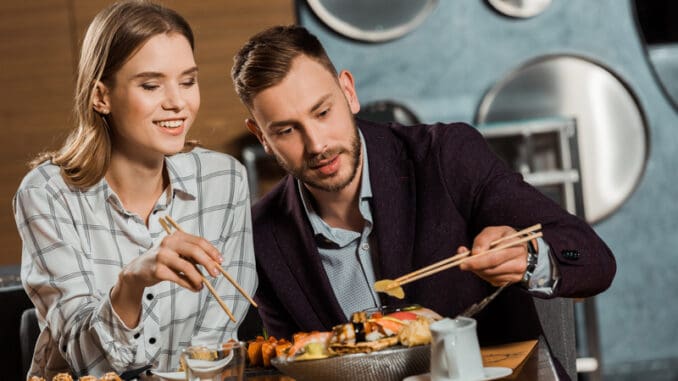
{"x":442,"y":70}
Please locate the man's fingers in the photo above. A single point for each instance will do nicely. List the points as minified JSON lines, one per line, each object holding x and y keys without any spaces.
{"x":507,"y":260}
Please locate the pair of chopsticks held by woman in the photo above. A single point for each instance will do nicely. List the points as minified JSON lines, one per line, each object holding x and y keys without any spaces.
{"x":136,"y":242}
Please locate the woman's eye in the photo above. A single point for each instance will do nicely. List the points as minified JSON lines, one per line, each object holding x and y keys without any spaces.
{"x":149,"y":86}
{"x":324,"y":113}
{"x":189,"y":82}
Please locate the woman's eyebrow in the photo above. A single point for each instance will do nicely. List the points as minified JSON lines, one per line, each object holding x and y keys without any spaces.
{"x":155,"y":74}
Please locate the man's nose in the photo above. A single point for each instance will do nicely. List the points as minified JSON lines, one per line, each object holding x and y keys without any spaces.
{"x":315,"y":140}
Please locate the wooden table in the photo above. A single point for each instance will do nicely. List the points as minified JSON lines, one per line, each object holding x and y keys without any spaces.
{"x":538,"y":367}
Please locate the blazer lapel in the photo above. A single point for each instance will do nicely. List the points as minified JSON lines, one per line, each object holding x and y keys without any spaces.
{"x":393,"y":203}
{"x":297,"y":245}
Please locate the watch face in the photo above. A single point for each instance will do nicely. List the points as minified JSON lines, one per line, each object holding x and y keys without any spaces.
{"x":520,"y":8}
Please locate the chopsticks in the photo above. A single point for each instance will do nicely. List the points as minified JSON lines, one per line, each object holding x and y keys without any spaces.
{"x":207,"y":284}
{"x":221,"y":269}
{"x":463,"y":257}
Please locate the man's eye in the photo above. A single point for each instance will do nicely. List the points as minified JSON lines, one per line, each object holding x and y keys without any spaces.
{"x":285,"y":131}
{"x":324,"y":113}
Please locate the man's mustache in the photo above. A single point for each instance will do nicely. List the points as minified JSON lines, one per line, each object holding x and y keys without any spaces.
{"x":316,"y":159}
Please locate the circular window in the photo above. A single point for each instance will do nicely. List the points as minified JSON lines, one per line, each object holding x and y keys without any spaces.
{"x":520,"y":8}
{"x":388,"y":111}
{"x":373,"y":20}
{"x":611,"y":128}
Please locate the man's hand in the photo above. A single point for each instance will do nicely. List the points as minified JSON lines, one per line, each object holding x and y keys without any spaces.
{"x":497,"y":268}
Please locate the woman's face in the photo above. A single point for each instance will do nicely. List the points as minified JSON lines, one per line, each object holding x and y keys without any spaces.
{"x":154,"y":99}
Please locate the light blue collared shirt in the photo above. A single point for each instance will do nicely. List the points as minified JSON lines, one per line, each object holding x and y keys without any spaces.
{"x":347,"y":255}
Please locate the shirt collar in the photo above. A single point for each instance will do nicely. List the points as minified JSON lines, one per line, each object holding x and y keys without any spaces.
{"x":182,"y":178}
{"x":180,"y":184}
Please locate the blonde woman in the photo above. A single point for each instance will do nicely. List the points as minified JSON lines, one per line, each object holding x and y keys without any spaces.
{"x":113,"y":291}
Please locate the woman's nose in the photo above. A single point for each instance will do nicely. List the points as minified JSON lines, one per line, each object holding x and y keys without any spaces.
{"x":174,"y":99}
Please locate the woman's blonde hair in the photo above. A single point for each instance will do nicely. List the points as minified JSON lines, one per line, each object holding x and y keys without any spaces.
{"x":114,"y":35}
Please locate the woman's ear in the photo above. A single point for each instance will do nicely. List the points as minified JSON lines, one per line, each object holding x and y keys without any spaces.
{"x":100,"y":99}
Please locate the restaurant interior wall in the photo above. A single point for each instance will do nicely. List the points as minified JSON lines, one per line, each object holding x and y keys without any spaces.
{"x":38,"y":52}
{"x":443,"y":68}
{"x":39,"y":42}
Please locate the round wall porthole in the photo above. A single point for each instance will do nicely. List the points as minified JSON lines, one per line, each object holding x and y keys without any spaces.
{"x":520,"y":8}
{"x":373,"y":20}
{"x":611,"y":127}
{"x":388,"y":111}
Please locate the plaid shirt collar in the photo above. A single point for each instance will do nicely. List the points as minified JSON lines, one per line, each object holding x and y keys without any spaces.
{"x":180,"y":185}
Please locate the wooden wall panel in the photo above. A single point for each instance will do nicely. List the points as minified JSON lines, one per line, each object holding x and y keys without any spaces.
{"x":36,"y":73}
{"x":40,"y":40}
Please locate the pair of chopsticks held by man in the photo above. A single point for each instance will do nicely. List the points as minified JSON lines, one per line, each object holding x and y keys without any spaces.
{"x":115,"y":290}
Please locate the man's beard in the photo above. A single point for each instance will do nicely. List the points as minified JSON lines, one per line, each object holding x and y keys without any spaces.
{"x":299,"y":173}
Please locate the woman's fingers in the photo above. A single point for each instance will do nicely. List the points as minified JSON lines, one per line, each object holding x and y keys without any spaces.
{"x":177,"y":268}
{"x":196,"y":250}
{"x":180,"y":278}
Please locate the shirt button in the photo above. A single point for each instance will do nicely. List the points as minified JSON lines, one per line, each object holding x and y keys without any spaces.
{"x":365,"y":246}
{"x":151,"y":340}
{"x":149,"y":296}
{"x":136,"y":335}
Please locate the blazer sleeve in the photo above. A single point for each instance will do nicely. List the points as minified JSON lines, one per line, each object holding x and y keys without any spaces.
{"x":489,"y":193}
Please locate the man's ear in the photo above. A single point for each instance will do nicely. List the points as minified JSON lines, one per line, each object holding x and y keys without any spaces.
{"x":256,"y":131}
{"x":101,"y":101}
{"x":348,"y":87}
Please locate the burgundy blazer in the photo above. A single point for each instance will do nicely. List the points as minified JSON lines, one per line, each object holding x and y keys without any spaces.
{"x":435,"y":187}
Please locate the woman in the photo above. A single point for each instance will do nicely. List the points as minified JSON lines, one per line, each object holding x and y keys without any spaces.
{"x":112,"y":290}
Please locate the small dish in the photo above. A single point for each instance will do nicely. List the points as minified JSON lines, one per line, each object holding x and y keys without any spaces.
{"x":491,"y":373}
{"x":171,"y":376}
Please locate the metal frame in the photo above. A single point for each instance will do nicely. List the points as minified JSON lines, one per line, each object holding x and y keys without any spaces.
{"x":568,"y":173}
{"x":377,"y":34}
{"x":586,"y":317}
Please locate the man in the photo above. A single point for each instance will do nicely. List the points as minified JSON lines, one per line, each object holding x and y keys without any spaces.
{"x":365,"y":202}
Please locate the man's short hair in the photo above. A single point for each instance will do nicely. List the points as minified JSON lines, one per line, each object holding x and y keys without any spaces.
{"x":266,"y":58}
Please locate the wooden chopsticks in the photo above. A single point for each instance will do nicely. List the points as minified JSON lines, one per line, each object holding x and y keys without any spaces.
{"x":221,"y":269}
{"x":463,"y":257}
{"x":166,"y":226}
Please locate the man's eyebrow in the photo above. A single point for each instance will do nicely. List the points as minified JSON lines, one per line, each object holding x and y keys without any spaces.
{"x":281,"y":123}
{"x":155,"y":74}
{"x":320,"y":102}
{"x":316,"y":106}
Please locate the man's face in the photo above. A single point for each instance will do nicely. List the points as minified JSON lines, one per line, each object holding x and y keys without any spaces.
{"x":306,"y":122}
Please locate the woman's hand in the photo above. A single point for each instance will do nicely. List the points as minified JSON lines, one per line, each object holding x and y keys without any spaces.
{"x":172,"y":260}
{"x":497,"y":268}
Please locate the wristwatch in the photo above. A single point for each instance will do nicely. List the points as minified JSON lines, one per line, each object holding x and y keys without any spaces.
{"x":532,"y":257}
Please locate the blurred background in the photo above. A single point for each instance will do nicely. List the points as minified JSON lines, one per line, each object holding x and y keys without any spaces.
{"x":580,"y":96}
